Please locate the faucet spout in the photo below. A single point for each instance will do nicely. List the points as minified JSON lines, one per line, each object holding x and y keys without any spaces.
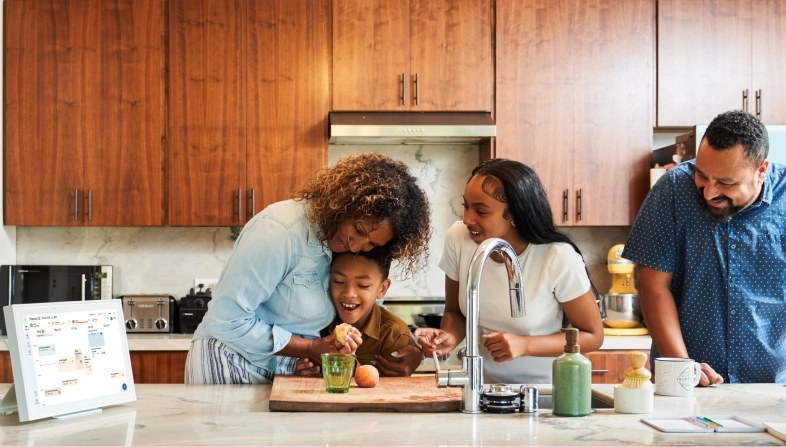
{"x":471,"y":376}
{"x":516,"y":290}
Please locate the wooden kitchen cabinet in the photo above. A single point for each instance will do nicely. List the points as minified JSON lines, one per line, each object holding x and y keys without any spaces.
{"x":159,"y":366}
{"x":249,"y":98}
{"x":609,"y":366}
{"x":418,"y":55}
{"x":83,"y":112}
{"x":719,"y":55}
{"x":575,"y":102}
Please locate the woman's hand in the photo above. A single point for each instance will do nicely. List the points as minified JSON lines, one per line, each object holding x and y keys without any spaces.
{"x":401,"y":364}
{"x":435,"y":340}
{"x":505,"y":346}
{"x":305,"y":367}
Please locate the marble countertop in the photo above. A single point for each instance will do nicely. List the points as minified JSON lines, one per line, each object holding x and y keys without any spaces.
{"x":238,"y":415}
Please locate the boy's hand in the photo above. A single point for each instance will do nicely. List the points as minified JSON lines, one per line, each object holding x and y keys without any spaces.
{"x":353,"y":339}
{"x":434,"y":340}
{"x":306,"y":367}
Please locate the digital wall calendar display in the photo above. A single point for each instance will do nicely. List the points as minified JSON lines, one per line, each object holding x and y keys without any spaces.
{"x":68,"y":357}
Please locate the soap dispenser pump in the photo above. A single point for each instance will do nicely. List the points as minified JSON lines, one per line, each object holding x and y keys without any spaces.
{"x":571,"y":379}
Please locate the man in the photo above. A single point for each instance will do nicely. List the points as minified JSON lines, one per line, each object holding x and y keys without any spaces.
{"x":709,"y":241}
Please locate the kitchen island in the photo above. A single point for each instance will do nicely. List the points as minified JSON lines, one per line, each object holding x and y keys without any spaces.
{"x":239,"y":415}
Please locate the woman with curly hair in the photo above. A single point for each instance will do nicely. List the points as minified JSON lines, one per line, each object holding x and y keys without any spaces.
{"x":271,"y":300}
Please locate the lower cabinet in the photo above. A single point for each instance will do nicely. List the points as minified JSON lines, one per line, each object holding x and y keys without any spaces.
{"x":6,"y":373}
{"x":159,"y":366}
{"x":148,"y":366}
{"x":608,"y":366}
{"x":169,"y":366}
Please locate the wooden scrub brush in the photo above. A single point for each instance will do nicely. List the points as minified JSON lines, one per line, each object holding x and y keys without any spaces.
{"x":637,"y":376}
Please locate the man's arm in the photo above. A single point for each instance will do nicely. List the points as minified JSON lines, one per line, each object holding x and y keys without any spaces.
{"x":660,"y":316}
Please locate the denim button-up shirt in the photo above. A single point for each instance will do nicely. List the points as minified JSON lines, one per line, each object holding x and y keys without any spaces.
{"x":274,"y":285}
{"x":729,"y":278}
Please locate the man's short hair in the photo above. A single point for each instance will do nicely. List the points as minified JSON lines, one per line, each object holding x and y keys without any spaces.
{"x":729,"y":129}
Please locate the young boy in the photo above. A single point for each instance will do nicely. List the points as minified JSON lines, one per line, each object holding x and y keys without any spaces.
{"x":357,"y":281}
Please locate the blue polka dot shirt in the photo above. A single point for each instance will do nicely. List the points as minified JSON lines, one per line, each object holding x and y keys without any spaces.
{"x":729,"y":278}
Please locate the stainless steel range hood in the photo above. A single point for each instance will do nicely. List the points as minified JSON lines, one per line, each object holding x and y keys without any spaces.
{"x":411,"y":127}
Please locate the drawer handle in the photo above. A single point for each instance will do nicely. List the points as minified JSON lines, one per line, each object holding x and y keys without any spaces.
{"x":600,"y":371}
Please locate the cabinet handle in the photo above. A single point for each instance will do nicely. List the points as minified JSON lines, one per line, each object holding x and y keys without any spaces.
{"x":600,"y":371}
{"x":565,"y":205}
{"x":403,"y":89}
{"x":76,"y":204}
{"x":745,"y":100}
{"x":89,"y":204}
{"x":239,"y":204}
{"x":253,"y":202}
{"x":417,"y":89}
{"x":758,"y":103}
{"x":578,"y":204}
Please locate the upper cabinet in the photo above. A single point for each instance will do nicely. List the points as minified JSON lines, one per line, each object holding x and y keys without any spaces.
{"x":248,"y":104}
{"x":575,"y":102}
{"x":83,"y":112}
{"x":719,"y":55}
{"x":419,"y":55}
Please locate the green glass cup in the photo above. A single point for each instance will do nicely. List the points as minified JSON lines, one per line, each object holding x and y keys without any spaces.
{"x":337,"y":370}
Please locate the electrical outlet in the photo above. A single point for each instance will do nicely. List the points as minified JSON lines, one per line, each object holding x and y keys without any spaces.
{"x":209,"y":283}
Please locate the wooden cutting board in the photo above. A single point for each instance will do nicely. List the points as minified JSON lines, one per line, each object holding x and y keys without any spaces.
{"x":392,"y":394}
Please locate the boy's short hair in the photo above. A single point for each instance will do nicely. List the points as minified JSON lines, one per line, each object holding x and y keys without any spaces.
{"x":378,"y":255}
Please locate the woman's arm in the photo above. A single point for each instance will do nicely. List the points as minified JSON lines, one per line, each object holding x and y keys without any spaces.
{"x":583,"y":315}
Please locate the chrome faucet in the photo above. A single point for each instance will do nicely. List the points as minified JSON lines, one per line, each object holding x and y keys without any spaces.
{"x":470,"y":377}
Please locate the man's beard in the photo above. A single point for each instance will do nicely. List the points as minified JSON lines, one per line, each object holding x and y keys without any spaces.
{"x":722,"y":215}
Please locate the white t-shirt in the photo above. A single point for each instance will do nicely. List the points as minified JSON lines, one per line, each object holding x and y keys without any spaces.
{"x":552,"y":274}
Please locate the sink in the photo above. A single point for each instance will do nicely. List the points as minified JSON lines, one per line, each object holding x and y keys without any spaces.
{"x":545,"y":402}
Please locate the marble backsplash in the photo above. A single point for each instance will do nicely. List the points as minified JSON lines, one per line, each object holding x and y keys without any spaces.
{"x":167,"y":259}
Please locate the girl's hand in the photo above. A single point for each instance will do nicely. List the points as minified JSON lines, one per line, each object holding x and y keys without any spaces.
{"x":353,"y":339}
{"x":305,"y":367}
{"x":434,"y":340}
{"x":505,"y":346}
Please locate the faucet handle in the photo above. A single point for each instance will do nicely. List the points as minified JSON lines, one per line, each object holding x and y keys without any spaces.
{"x":442,"y":376}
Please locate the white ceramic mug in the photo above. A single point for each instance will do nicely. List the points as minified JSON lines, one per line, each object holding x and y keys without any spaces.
{"x":675,"y":376}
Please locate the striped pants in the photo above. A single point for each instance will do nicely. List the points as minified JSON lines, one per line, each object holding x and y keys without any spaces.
{"x":211,"y":362}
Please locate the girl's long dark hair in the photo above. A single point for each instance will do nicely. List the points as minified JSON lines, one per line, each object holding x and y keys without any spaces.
{"x":516,"y":184}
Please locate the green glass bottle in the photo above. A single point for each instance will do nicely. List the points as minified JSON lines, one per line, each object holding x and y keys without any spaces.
{"x":571,"y":379}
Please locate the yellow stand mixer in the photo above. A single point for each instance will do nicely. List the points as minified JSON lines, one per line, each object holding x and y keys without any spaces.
{"x":620,"y":307}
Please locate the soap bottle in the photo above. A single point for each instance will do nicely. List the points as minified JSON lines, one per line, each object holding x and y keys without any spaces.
{"x":571,"y":379}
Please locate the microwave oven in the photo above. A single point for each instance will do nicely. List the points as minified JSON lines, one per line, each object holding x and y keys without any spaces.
{"x":24,"y":284}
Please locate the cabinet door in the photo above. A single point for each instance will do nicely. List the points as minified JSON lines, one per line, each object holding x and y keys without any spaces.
{"x":535,"y":92}
{"x":613,"y":108}
{"x":610,"y":366}
{"x":207,"y":112}
{"x":371,"y":54}
{"x":47,"y":44}
{"x":769,"y":60}
{"x":451,"y":55}
{"x":289,"y":96}
{"x":704,"y":59}
{"x":124,"y":157}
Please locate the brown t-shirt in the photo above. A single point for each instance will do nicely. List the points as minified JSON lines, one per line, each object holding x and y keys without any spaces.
{"x":383,"y":333}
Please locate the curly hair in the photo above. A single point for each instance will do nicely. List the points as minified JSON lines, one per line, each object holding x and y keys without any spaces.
{"x":729,"y":129}
{"x":372,"y":186}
